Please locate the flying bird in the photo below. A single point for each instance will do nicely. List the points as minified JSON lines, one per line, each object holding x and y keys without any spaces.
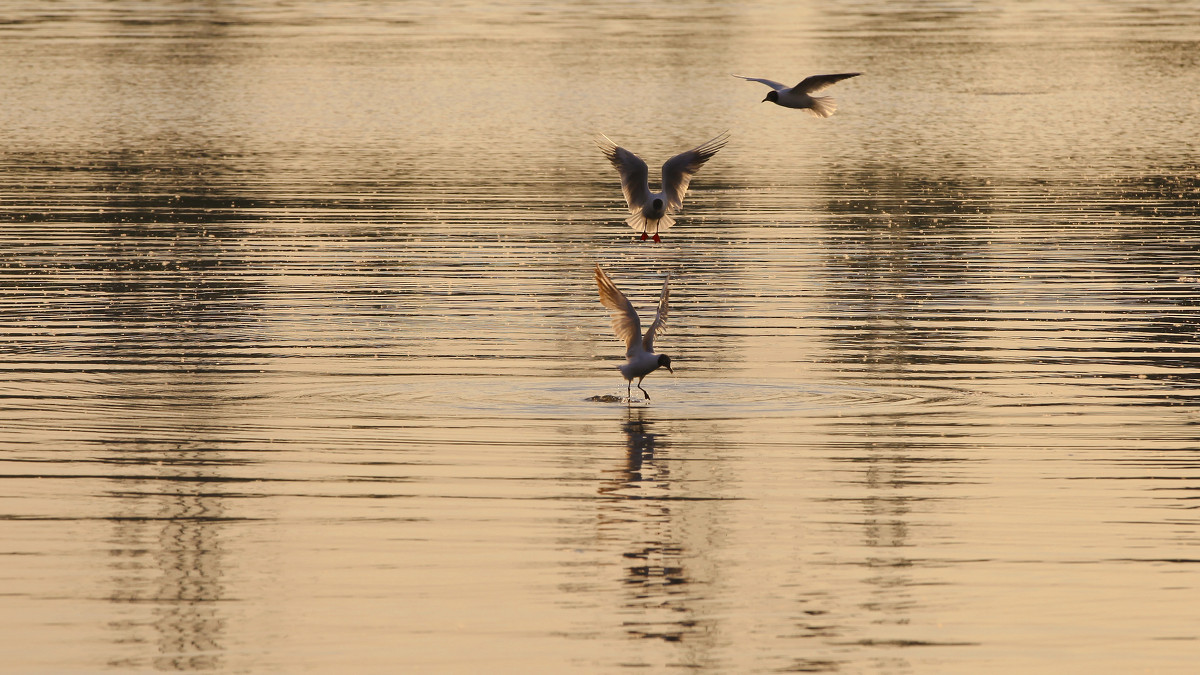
{"x":652,"y":210}
{"x":800,"y":96}
{"x":639,"y":349}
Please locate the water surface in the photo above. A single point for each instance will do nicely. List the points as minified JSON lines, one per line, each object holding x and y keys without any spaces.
{"x":299,"y":335}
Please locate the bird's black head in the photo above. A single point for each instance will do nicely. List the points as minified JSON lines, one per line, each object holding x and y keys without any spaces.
{"x":657,"y":204}
{"x":772,"y":96}
{"x":665,"y":362}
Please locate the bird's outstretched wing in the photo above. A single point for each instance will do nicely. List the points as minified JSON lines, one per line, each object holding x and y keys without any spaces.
{"x":624,"y":318}
{"x":660,"y":319}
{"x":677,"y":172}
{"x":777,"y":86}
{"x":815,"y":83}
{"x":634,"y":173}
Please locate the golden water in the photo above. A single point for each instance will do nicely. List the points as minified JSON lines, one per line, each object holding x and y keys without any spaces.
{"x":298,"y":336}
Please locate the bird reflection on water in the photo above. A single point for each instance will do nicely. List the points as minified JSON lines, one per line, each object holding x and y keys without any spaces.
{"x":642,"y":510}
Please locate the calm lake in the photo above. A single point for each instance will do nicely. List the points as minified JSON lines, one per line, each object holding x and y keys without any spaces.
{"x":303,"y":368}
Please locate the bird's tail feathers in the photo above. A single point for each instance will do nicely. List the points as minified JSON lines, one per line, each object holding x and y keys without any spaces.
{"x":822,"y":106}
{"x":641,"y":225}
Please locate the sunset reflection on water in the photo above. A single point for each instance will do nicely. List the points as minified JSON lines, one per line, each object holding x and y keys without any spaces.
{"x":305,"y":369}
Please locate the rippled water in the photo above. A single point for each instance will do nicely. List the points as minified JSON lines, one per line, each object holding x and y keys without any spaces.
{"x":304,"y":369}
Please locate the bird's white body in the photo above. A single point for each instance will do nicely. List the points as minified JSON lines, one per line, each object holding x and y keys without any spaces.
{"x":651,"y":211}
{"x":801,"y":95}
{"x":639,"y":366}
{"x":639,"y":349}
{"x":822,"y":106}
{"x":653,"y":216}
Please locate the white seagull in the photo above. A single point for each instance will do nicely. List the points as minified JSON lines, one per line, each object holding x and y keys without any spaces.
{"x":800,"y":96}
{"x":652,"y":210}
{"x":639,"y":349}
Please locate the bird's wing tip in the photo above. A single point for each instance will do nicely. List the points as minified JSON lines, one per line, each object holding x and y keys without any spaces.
{"x":717,"y":142}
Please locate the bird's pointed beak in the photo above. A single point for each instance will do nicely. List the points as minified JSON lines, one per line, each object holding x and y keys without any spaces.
{"x":670,"y":370}
{"x":765,"y":99}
